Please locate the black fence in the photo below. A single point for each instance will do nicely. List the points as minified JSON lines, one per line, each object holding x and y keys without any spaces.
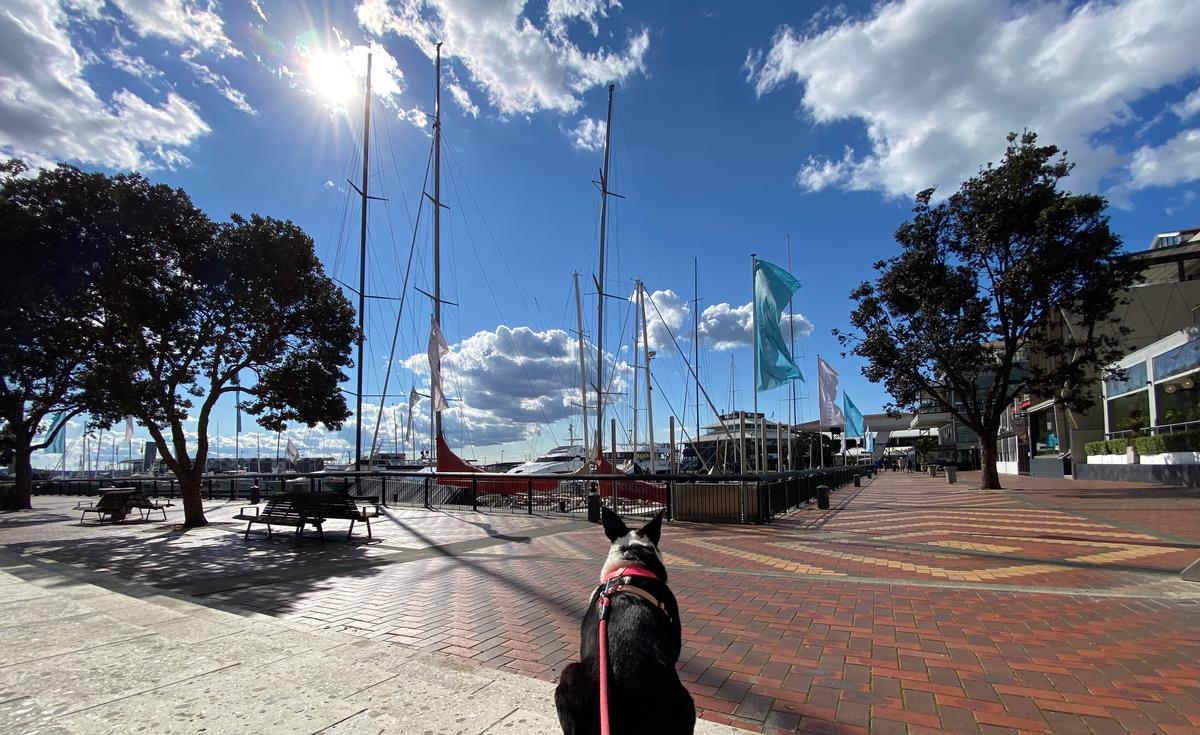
{"x":704,"y":498}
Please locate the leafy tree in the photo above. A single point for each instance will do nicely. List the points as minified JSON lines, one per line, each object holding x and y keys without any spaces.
{"x":200,"y":306}
{"x":55,"y":229}
{"x":984,"y":278}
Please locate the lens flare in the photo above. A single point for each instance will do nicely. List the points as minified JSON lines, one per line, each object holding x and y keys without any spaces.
{"x":331,"y":77}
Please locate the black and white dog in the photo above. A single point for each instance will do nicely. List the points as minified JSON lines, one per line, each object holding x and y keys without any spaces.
{"x":644,"y":638}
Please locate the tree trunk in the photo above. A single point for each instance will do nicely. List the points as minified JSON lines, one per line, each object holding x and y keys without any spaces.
{"x":22,"y":498}
{"x":991,"y":478}
{"x":193,"y":501}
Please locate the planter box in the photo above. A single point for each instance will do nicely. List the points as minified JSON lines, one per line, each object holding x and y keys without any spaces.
{"x":1169,"y":458}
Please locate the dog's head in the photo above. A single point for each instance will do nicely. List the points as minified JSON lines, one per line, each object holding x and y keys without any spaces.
{"x":633,"y":547}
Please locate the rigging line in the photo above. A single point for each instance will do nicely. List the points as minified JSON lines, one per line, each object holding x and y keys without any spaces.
{"x":682,"y":425}
{"x":625,"y":149}
{"x":690,"y":369}
{"x":471,"y":239}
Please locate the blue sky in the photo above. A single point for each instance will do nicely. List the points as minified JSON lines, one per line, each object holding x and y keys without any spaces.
{"x":735,"y":125}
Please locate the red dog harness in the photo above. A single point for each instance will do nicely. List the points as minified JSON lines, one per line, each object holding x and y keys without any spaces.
{"x":629,"y":579}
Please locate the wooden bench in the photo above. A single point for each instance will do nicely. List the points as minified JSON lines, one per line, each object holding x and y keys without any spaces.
{"x":335,"y":505}
{"x":147,"y":506}
{"x":112,"y":503}
{"x":287,"y":509}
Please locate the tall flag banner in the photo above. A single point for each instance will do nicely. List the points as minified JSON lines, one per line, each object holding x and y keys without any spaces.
{"x":413,"y":397}
{"x":827,"y":387}
{"x":149,"y":454}
{"x":292,"y":453}
{"x":871,"y":443}
{"x":773,"y":288}
{"x":128,"y":428}
{"x":854,"y":417}
{"x":437,"y":350}
{"x":58,"y":444}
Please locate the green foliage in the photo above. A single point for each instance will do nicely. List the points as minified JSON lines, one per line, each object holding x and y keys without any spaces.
{"x":979,"y":283}
{"x":1183,"y":441}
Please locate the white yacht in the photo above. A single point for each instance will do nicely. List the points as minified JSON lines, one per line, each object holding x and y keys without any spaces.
{"x":558,"y":461}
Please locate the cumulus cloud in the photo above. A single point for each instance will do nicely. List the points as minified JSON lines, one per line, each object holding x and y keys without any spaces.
{"x":133,"y":65}
{"x":520,"y":67}
{"x":561,"y":13}
{"x":1189,"y":106}
{"x":666,"y":313}
{"x":588,"y":134}
{"x":463,"y":99}
{"x":512,"y":382}
{"x":50,"y":113}
{"x":726,"y":327}
{"x":1175,"y":162}
{"x":938,"y":83}
{"x":184,"y":22}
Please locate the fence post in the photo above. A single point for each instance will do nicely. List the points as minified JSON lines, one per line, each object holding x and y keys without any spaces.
{"x":530,"y":491}
{"x":427,"y":492}
{"x":475,"y":494}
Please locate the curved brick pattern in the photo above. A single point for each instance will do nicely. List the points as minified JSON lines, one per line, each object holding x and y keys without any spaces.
{"x":911,"y":606}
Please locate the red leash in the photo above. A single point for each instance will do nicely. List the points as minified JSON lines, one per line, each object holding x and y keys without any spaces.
{"x":608,"y":589}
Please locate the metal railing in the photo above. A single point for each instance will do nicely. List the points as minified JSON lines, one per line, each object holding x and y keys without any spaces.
{"x":1152,"y":430}
{"x":704,"y":498}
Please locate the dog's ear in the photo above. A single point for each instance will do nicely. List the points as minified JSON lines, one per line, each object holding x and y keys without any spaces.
{"x":653,"y":529}
{"x":614,"y":527}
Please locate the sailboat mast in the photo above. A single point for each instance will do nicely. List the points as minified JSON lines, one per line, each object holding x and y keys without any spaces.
{"x":582,"y":368}
{"x":600,"y":282}
{"x":437,"y":223}
{"x":696,"y":341}
{"x":646,"y":350}
{"x":636,"y":365}
{"x":362,"y":267}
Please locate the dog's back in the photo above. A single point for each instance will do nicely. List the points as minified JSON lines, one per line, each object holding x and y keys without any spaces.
{"x":644,"y":691}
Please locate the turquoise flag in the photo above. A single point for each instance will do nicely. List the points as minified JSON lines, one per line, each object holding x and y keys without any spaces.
{"x":59,"y":444}
{"x":773,"y":287}
{"x":854,"y":417}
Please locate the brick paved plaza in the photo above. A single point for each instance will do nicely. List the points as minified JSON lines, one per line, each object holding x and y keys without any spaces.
{"x":910,"y":606}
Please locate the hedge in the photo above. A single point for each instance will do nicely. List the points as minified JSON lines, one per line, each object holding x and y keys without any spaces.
{"x":1184,"y":441}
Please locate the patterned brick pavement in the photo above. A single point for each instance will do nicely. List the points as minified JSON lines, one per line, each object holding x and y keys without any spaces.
{"x":911,"y":606}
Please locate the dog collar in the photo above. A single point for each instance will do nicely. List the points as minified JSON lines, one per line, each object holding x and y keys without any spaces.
{"x":637,"y":580}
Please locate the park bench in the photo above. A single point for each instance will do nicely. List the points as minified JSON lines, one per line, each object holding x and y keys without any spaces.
{"x":288,"y":509}
{"x":329,"y":505}
{"x":147,"y":506}
{"x":112,"y":503}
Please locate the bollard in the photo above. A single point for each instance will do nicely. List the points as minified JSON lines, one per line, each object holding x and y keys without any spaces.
{"x":255,"y":494}
{"x":823,"y":497}
{"x":857,"y":481}
{"x":933,"y":470}
{"x":951,"y":475}
{"x":593,"y":506}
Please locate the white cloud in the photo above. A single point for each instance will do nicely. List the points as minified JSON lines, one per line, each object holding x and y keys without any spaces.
{"x":521,"y":68}
{"x":463,"y":98}
{"x":666,"y":313}
{"x":185,"y":22}
{"x":336,"y":76}
{"x":1189,"y":106}
{"x":218,"y":81}
{"x":560,"y":13}
{"x":726,"y":327}
{"x":49,"y":112}
{"x":134,"y":66}
{"x":257,"y":7}
{"x":513,"y":382}
{"x":938,"y":83}
{"x":1175,"y":162}
{"x":588,"y":134}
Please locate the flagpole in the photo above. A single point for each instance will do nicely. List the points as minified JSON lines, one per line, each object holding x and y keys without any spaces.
{"x":754,"y":349}
{"x":820,"y":415}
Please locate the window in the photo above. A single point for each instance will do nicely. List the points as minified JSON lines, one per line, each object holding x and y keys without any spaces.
{"x":1043,"y":433}
{"x":1172,"y":362}
{"x":1130,"y":412}
{"x":1177,"y":401}
{"x":1134,"y":379}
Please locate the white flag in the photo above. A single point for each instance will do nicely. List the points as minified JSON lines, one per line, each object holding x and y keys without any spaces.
{"x":292,"y":453}
{"x":413,"y":397}
{"x":827,"y":388}
{"x":437,"y":350}
{"x":128,"y":428}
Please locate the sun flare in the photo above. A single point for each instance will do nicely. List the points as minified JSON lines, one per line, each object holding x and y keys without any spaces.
{"x":331,"y":77}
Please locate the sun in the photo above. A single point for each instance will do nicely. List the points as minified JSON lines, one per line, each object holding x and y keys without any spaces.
{"x":331,"y":77}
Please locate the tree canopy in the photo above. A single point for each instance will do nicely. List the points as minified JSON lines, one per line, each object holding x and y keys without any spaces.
{"x":982,"y":281}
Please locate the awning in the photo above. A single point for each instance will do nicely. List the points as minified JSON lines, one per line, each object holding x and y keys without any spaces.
{"x":1041,"y":406}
